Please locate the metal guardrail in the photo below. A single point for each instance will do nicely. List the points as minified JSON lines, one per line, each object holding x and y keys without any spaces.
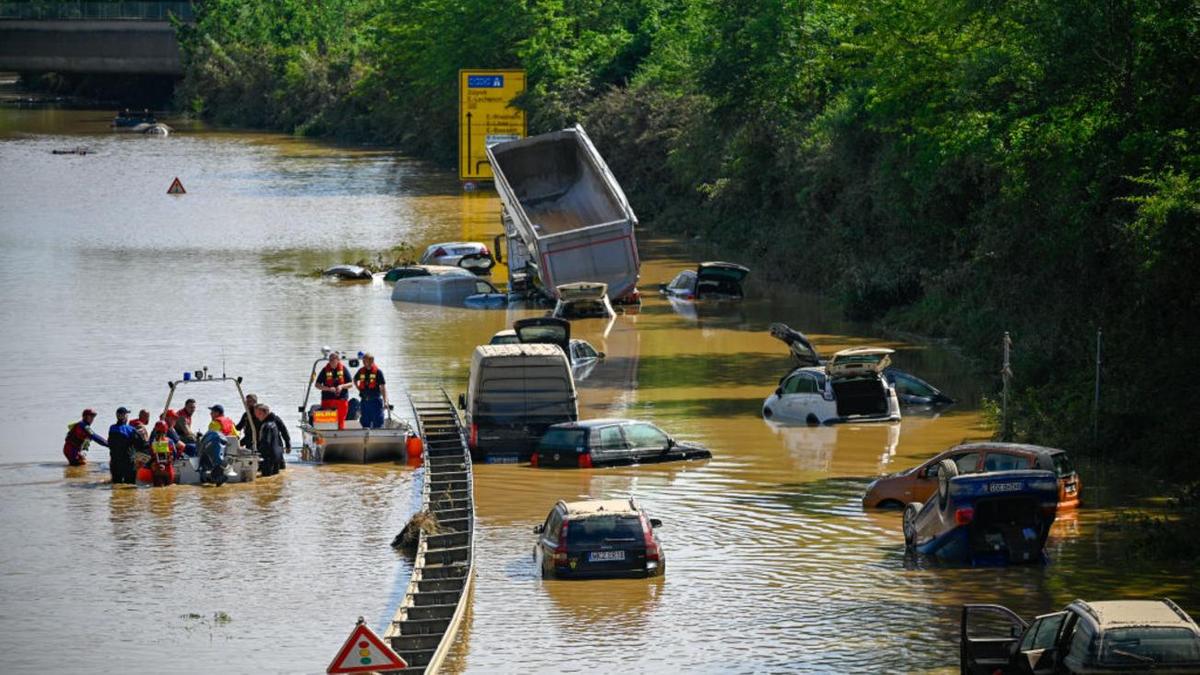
{"x":84,"y":11}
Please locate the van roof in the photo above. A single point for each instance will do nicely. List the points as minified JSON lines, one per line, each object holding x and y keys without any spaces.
{"x":489,"y":351}
{"x":594,"y":507}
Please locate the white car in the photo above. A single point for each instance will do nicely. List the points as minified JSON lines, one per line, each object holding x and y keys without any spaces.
{"x":583,"y":300}
{"x":582,"y":355}
{"x":468,"y":255}
{"x":851,"y":387}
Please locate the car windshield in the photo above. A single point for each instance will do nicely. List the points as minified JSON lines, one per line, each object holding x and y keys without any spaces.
{"x":1063,"y":466}
{"x":1149,"y":644}
{"x":563,"y":439}
{"x":598,"y":530}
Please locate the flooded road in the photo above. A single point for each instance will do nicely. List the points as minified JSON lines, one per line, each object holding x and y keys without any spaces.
{"x":109,"y":287}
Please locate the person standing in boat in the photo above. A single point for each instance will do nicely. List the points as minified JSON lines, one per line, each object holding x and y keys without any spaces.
{"x":372,"y":389}
{"x":334,"y":384}
{"x":217,"y":412}
{"x":123,"y":442}
{"x":270,"y":441}
{"x":79,"y":436}
{"x":183,"y":425}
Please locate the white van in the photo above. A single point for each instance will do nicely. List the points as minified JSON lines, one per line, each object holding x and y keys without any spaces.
{"x":514,"y":393}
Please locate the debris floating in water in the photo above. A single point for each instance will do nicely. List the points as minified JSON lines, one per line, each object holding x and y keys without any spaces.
{"x":410,"y":536}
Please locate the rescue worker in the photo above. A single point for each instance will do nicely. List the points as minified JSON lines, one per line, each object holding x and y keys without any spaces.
{"x":79,"y":437}
{"x":144,"y":418}
{"x":162,"y":456}
{"x":123,"y":442}
{"x":218,"y":415}
{"x":334,"y":384}
{"x":183,"y":425}
{"x":249,"y":418}
{"x":270,"y":441}
{"x":372,"y":389}
{"x":180,"y":448}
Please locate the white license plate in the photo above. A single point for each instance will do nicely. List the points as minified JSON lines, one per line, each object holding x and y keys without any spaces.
{"x":1004,"y":487}
{"x":606,"y":556}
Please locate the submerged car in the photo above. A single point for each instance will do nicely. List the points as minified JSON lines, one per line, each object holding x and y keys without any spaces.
{"x":468,"y":255}
{"x":920,"y":482}
{"x":984,"y":518}
{"x":1112,"y":636}
{"x":348,"y":273}
{"x":449,"y":289}
{"x":610,"y":442}
{"x":549,"y":330}
{"x":709,"y":281}
{"x":598,"y":538}
{"x":583,"y":300}
{"x":913,"y":391}
{"x":405,"y":271}
{"x":849,"y":388}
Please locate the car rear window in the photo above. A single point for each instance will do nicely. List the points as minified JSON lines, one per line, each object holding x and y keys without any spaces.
{"x":563,"y":439}
{"x":999,"y":461}
{"x":1150,"y":646}
{"x":1063,"y":466}
{"x":598,"y":530}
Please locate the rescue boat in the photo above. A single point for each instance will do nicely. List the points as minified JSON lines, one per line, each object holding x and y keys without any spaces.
{"x":324,"y":442}
{"x":240,"y":465}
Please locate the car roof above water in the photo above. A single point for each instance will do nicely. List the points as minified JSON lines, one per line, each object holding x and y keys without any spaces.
{"x":985,"y":446}
{"x":1124,"y":613}
{"x":600,"y":507}
{"x":592,"y":424}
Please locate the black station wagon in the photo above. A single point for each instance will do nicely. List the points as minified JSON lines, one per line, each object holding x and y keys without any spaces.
{"x":609,"y":442}
{"x":598,"y":538}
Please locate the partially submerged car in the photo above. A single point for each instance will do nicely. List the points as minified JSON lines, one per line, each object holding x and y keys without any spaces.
{"x":912,"y":390}
{"x":507,"y":336}
{"x":348,"y":273}
{"x":610,"y":442}
{"x":598,"y":538}
{"x":984,"y":518}
{"x":468,"y":255}
{"x":849,"y":388}
{"x":919,"y":483}
{"x":549,"y":330}
{"x":1112,"y":636}
{"x":405,"y":271}
{"x":713,"y":280}
{"x":449,"y":289}
{"x":583,"y":300}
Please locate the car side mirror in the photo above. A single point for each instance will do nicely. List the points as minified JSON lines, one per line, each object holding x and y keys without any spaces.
{"x":462,"y":401}
{"x":655,"y":522}
{"x":1016,"y":631}
{"x":670,"y":442}
{"x":538,"y":529}
{"x":779,"y":391}
{"x":300,"y":409}
{"x":600,"y":355}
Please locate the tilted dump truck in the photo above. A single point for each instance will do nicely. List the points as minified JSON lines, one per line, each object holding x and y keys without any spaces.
{"x":565,"y":216}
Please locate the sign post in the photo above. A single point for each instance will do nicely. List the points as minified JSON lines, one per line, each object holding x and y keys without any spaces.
{"x":364,"y":652}
{"x":485,"y":117}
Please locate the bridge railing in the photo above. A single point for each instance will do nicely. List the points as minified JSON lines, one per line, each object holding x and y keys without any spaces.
{"x":70,"y":11}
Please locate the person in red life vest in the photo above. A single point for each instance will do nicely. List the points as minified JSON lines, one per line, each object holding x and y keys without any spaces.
{"x":144,"y":418}
{"x":79,"y":437}
{"x":170,"y":418}
{"x":162,"y":456}
{"x":372,"y":389}
{"x":183,"y":426}
{"x":334,"y":384}
{"x":218,"y":415}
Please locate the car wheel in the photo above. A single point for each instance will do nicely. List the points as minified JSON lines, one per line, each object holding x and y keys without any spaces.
{"x":947,"y":469}
{"x":910,"y":524}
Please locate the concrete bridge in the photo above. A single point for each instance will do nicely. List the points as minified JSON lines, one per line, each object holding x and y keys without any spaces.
{"x":135,"y":38}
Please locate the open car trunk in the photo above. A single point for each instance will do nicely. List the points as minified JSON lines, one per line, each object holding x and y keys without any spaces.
{"x":860,"y":396}
{"x":544,"y":330}
{"x":1007,"y":528}
{"x":720,"y":279}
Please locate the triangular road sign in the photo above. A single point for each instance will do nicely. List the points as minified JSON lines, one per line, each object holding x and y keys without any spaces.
{"x":176,"y":188}
{"x":364,"y":652}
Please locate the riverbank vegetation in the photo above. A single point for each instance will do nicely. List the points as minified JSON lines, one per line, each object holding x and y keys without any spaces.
{"x":956,"y":168}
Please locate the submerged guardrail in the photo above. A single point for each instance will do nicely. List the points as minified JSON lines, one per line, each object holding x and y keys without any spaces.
{"x":429,"y":617}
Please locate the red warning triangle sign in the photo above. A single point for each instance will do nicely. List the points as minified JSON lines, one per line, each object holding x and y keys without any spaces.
{"x":364,"y":652}
{"x":176,"y":188}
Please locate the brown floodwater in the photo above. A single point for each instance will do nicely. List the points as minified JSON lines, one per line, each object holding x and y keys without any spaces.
{"x":109,"y":288}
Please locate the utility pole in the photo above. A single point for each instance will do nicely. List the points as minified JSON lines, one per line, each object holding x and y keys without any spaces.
{"x":1096,"y":400}
{"x":1006,"y":375}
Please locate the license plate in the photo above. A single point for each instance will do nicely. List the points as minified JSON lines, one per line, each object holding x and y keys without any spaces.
{"x":606,"y":556}
{"x":1004,"y":487}
{"x":1070,"y":488}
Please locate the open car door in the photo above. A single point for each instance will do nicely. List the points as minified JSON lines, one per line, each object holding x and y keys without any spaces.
{"x":545,"y":330}
{"x":988,"y":639}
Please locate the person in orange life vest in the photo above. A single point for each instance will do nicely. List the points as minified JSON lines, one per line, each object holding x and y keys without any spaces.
{"x":79,"y":436}
{"x":218,"y":415}
{"x":334,"y":384}
{"x":177,"y":444}
{"x":372,"y":389}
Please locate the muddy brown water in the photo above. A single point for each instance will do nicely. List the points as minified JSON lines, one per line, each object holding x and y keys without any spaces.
{"x":109,"y":287}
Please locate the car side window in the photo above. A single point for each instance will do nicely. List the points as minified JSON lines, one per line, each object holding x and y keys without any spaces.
{"x":1030,"y":636}
{"x":1079,"y":645}
{"x":1047,"y":632}
{"x":553,"y":525}
{"x":484,"y":287}
{"x":611,"y":439}
{"x":1002,"y":461}
{"x":801,"y":383}
{"x":968,"y":462}
{"x":586,"y":351}
{"x":645,"y":436}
